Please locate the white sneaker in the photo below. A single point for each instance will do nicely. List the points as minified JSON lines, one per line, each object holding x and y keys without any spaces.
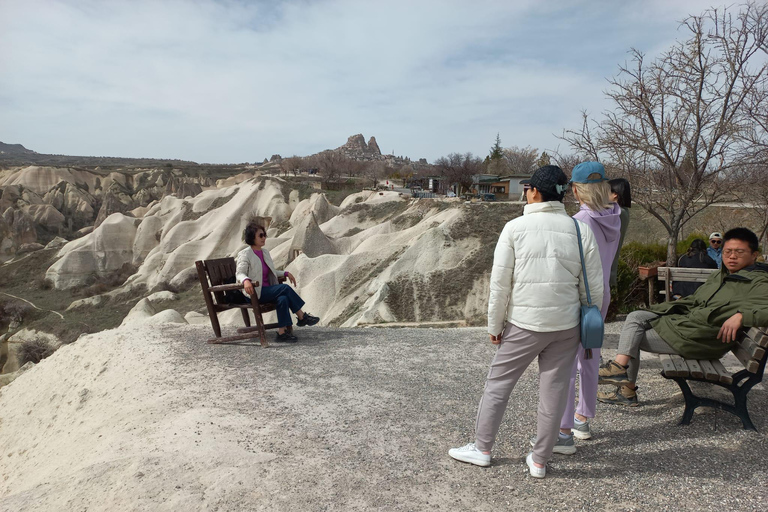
{"x":536,"y":472}
{"x":581,"y":431}
{"x":470,"y":454}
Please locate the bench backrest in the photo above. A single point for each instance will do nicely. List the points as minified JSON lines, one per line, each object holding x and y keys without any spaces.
{"x":669,"y":275}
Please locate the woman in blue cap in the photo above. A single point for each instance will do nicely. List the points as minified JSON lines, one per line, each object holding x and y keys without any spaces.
{"x":596,"y":210}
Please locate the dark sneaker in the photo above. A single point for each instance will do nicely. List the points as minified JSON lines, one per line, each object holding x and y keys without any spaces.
{"x":286,"y":337}
{"x":563,"y":446}
{"x":612,"y":373}
{"x":623,"y":395}
{"x":307,"y":320}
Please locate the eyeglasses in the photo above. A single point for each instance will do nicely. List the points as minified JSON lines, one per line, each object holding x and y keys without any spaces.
{"x":718,"y":242}
{"x":262,"y":235}
{"x":737,"y":252}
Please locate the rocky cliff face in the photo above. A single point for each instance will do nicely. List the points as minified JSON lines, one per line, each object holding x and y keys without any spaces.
{"x":39,"y":203}
{"x":356,"y":148}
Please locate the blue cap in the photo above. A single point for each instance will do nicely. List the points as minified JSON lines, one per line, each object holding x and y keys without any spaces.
{"x":583,"y":170}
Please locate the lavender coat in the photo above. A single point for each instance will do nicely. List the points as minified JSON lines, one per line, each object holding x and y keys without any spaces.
{"x":606,"y":226}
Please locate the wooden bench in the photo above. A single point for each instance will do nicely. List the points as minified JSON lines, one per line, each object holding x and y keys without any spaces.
{"x":670,"y":275}
{"x":750,"y":351}
{"x":217,"y":277}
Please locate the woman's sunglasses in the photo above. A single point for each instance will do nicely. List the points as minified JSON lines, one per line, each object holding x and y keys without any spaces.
{"x":716,"y":241}
{"x":262,"y":235}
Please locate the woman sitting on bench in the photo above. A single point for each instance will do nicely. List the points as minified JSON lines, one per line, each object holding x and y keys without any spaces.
{"x":254,"y":265}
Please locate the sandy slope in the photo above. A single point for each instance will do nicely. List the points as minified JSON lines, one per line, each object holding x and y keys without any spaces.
{"x":347,"y":419}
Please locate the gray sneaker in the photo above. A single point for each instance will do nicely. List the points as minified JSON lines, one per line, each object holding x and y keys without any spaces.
{"x":563,"y":446}
{"x":581,"y":431}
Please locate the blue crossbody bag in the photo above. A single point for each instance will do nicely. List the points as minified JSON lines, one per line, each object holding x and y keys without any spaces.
{"x":591,"y":318}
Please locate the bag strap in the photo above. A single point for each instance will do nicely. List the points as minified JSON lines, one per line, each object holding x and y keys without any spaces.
{"x":581,"y":255}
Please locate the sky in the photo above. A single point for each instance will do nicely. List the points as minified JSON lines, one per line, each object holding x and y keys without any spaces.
{"x":233,"y":81}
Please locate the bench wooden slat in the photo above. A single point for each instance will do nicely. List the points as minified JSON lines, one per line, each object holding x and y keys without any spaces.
{"x":709,"y":371}
{"x":680,"y":367}
{"x":751,"y":348}
{"x":758,"y":335}
{"x":725,"y":375}
{"x":694,"y":368}
{"x":667,"y":365}
{"x":746,"y":359}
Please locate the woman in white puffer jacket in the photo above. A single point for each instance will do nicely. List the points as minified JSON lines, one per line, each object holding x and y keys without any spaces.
{"x":534,"y":307}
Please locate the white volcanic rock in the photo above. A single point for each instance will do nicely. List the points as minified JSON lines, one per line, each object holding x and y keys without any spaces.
{"x":7,"y":378}
{"x":139,"y":313}
{"x":214,"y":234}
{"x":169,"y":316}
{"x":103,"y":251}
{"x":310,"y":240}
{"x":195,"y":318}
{"x":161,"y":296}
{"x":42,"y":179}
{"x":96,"y":300}
{"x":25,"y":248}
{"x":316,"y":205}
{"x":57,"y":243}
{"x":46,"y":216}
{"x":147,"y":238}
{"x":184,"y":278}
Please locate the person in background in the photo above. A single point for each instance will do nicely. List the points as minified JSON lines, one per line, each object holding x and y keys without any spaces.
{"x":254,"y":265}
{"x":715,"y":249}
{"x":596,"y":210}
{"x":696,"y":257}
{"x":534,"y":306}
{"x":622,"y":195}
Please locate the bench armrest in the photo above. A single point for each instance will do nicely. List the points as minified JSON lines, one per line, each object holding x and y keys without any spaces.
{"x":229,"y":287}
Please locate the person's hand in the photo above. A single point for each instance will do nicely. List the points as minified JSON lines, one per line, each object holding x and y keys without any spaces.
{"x":730,"y":328}
{"x":290,"y":276}
{"x":495,"y":339}
{"x":248,"y":287}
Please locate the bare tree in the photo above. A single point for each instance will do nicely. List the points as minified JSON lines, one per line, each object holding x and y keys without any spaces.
{"x":292,"y":164}
{"x":682,"y":122}
{"x":459,"y":169}
{"x":330,"y":165}
{"x":752,"y":191}
{"x":521,"y":160}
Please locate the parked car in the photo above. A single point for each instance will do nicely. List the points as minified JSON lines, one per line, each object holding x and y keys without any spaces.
{"x":489,"y":197}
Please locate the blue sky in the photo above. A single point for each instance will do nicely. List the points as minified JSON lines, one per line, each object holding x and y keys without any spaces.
{"x":237,"y":81}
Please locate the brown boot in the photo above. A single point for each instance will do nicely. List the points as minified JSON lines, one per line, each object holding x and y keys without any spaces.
{"x":624,"y":395}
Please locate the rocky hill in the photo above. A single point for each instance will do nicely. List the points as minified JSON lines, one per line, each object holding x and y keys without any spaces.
{"x":379,"y":257}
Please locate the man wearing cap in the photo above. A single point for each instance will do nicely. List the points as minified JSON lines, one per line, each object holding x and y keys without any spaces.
{"x":715,"y":249}
{"x":704,"y":325}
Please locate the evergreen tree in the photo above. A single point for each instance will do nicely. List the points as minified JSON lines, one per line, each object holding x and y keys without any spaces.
{"x":497,"y":152}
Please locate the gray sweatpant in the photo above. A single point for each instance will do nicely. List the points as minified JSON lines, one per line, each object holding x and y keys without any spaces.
{"x":637,"y":334}
{"x":519,"y":347}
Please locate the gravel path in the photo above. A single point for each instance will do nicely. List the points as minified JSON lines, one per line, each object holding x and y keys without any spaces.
{"x":360,"y":419}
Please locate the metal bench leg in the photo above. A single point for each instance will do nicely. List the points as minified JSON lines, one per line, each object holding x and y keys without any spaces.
{"x":740,"y":402}
{"x":691,"y":401}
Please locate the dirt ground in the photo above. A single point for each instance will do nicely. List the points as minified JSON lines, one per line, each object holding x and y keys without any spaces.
{"x":346,"y":419}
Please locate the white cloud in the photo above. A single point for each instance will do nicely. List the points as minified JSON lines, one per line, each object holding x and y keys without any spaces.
{"x":237,"y":81}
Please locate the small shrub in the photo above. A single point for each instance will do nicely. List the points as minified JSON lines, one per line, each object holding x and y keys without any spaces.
{"x":34,"y":351}
{"x":42,"y":283}
{"x":13,"y":310}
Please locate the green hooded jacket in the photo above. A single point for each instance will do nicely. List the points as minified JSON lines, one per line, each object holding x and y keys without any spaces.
{"x":690,"y":325}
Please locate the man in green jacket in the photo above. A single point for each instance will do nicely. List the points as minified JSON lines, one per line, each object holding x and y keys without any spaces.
{"x":704,"y":325}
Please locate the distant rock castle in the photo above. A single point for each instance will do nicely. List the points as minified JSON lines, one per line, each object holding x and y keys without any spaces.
{"x":357,"y":149}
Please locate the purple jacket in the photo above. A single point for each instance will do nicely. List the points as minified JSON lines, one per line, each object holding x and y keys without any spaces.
{"x":606,"y":226}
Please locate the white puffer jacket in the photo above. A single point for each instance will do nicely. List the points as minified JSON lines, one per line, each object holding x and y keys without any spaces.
{"x":536,"y":281}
